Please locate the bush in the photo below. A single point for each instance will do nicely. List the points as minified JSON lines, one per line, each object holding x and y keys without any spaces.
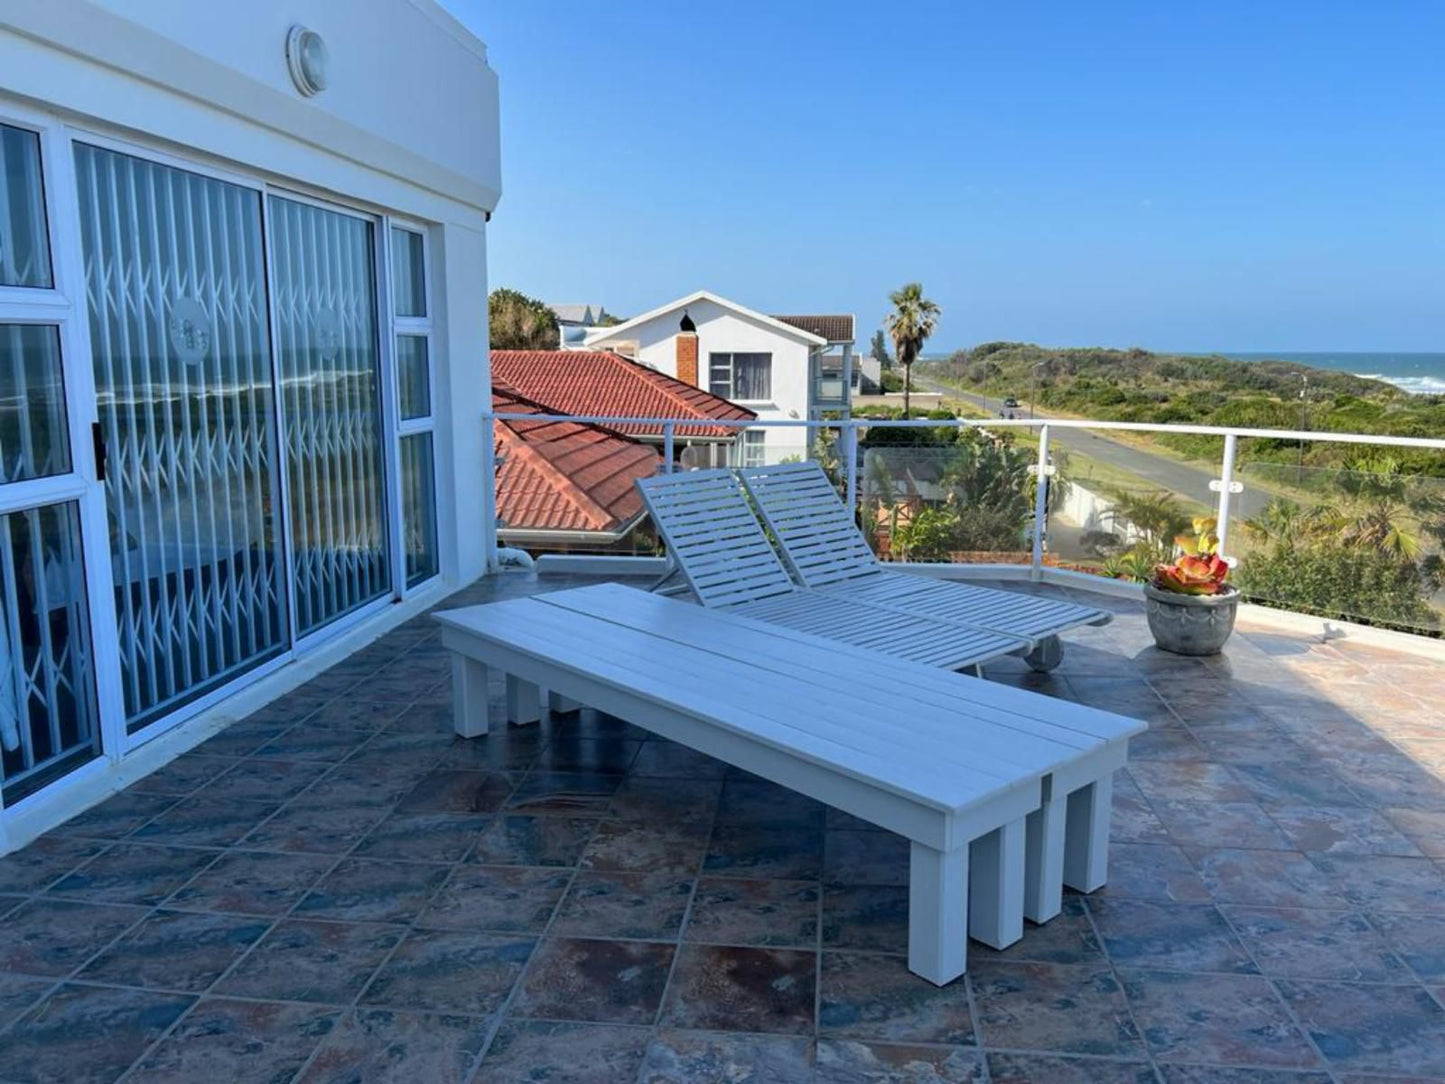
{"x":1346,"y":583}
{"x":891,"y":381}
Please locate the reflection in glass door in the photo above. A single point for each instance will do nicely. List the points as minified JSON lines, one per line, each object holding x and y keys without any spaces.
{"x":175,"y":278}
{"x":324,"y":295}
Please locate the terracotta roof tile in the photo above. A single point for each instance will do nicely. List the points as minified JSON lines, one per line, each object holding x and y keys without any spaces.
{"x":834,"y":328}
{"x":566,"y":476}
{"x":602,"y":384}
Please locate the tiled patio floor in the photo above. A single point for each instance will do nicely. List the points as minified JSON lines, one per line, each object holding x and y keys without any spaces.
{"x":336,"y":889}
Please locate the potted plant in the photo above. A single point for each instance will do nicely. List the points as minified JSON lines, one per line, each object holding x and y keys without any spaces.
{"x":1189,"y":605}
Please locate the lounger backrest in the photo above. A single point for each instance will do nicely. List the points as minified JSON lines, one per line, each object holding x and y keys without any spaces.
{"x":819,"y":539}
{"x":712,"y":534}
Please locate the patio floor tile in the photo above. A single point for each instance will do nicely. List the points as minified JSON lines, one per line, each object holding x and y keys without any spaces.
{"x":176,"y":950}
{"x":449,"y":791}
{"x":865,"y":858}
{"x":1070,"y":1008}
{"x":512,"y":840}
{"x":762,"y":913}
{"x":251,"y":882}
{"x":633,"y":846}
{"x":1315,"y":944}
{"x":724,"y":988}
{"x":502,"y":898}
{"x":1187,"y":937}
{"x":203,"y":821}
{"x":44,"y":862}
{"x":451,"y":972}
{"x":423,"y":837}
{"x":871,"y":996}
{"x":326,"y":962}
{"x":222,"y":1040}
{"x":1267,"y":878}
{"x":1038,"y":1069}
{"x":381,"y":1046}
{"x":1219,"y":1019}
{"x":367,"y":890}
{"x":1419,"y":940}
{"x":750,"y":850}
{"x":618,"y":982}
{"x":1372,"y":1029}
{"x":87,"y":1034}
{"x":871,"y":918}
{"x":1153,"y":871}
{"x":534,"y":1050}
{"x":646,"y":906}
{"x":54,"y":937}
{"x":1386,"y":883}
{"x":134,"y":873}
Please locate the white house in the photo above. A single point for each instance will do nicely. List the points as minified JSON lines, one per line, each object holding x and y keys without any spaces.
{"x":242,"y":362}
{"x":779,"y":367}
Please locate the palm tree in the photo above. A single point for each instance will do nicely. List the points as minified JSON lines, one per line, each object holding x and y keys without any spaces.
{"x":911,"y":322}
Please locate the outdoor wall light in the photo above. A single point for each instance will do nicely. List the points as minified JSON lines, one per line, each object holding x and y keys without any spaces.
{"x":307,"y":59}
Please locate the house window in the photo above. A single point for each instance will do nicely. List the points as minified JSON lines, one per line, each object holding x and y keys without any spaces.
{"x":24,"y":242}
{"x":754,"y":444}
{"x":414,"y":401}
{"x":741,"y":376}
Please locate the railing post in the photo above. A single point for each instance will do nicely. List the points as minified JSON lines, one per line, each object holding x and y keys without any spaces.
{"x":667,"y":431}
{"x":1227,"y":488}
{"x":850,"y":464}
{"x":1041,"y":505}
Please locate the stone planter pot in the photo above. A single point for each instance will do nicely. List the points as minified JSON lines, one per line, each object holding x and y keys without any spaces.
{"x":1190,"y":624}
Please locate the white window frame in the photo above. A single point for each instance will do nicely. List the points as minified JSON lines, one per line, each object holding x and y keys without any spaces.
{"x":420,"y":327}
{"x":733,"y":376}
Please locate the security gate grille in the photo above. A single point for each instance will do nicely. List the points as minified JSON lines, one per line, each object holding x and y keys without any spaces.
{"x":175,"y":278}
{"x":324,"y":296}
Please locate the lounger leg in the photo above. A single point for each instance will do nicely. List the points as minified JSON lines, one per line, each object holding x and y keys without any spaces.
{"x":996,"y":886}
{"x":1046,"y":655}
{"x":558,"y":704}
{"x":469,"y":696}
{"x":524,"y":701}
{"x":1044,"y":879}
{"x":938,"y":913}
{"x":1086,"y":837}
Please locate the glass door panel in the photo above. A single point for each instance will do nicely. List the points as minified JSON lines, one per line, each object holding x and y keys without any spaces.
{"x":324,"y":296}
{"x":48,"y":717}
{"x":175,"y":278}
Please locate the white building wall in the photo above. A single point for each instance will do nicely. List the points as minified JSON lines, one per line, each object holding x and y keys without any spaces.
{"x":723,"y":330}
{"x":408,"y":127}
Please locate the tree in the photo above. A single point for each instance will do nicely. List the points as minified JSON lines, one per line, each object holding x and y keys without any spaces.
{"x":519,"y":322}
{"x":879,"y":350}
{"x":912,"y":321}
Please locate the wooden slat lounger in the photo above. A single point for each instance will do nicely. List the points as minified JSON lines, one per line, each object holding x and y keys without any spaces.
{"x":721,"y":549}
{"x":962,"y":768}
{"x":825,"y":551}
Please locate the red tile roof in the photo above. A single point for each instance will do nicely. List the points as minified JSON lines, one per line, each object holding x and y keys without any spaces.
{"x":603,"y":384}
{"x":566,"y":476}
{"x":833,"y":327}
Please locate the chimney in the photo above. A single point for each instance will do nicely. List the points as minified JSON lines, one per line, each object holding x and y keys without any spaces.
{"x":687,"y":351}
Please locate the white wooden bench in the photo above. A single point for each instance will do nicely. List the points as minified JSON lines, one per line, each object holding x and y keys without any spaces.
{"x":965,"y":769}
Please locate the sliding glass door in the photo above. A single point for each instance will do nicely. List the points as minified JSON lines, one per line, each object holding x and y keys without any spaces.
{"x":176,"y":284}
{"x":324,"y":296}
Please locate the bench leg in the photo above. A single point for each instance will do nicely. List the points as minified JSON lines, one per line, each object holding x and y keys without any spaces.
{"x":469,"y":696}
{"x":1086,"y":836}
{"x":558,"y":704}
{"x":996,"y":886}
{"x":938,"y":913}
{"x":1044,"y":878}
{"x":524,"y":701}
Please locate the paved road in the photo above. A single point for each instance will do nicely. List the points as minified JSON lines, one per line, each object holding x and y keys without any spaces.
{"x":1181,"y":478}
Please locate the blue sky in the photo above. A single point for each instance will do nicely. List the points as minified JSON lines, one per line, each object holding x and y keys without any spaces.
{"x":1234,"y":177}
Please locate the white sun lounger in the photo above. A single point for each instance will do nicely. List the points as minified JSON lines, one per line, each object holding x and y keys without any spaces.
{"x":715,"y":540}
{"x":826,"y":552}
{"x":964,"y":769}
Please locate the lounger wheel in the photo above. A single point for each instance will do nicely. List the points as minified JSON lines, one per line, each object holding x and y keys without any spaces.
{"x":1046,"y":655}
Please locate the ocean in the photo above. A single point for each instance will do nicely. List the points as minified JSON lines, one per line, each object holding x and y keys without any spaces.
{"x":1419,"y":374}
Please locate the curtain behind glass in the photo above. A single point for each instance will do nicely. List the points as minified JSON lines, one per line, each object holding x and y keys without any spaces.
{"x":24,"y":245}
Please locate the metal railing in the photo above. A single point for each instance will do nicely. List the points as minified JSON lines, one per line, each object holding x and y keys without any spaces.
{"x":1223,"y":482}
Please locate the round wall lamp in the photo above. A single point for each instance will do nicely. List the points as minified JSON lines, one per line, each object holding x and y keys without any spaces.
{"x":307,"y":59}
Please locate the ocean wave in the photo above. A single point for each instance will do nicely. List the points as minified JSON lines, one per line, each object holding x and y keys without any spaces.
{"x":1415,"y":385}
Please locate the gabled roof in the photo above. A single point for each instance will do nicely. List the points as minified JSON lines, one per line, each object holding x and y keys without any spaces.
{"x":622,"y":330}
{"x":835,"y":327}
{"x":598,"y":383}
{"x":566,"y":476}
